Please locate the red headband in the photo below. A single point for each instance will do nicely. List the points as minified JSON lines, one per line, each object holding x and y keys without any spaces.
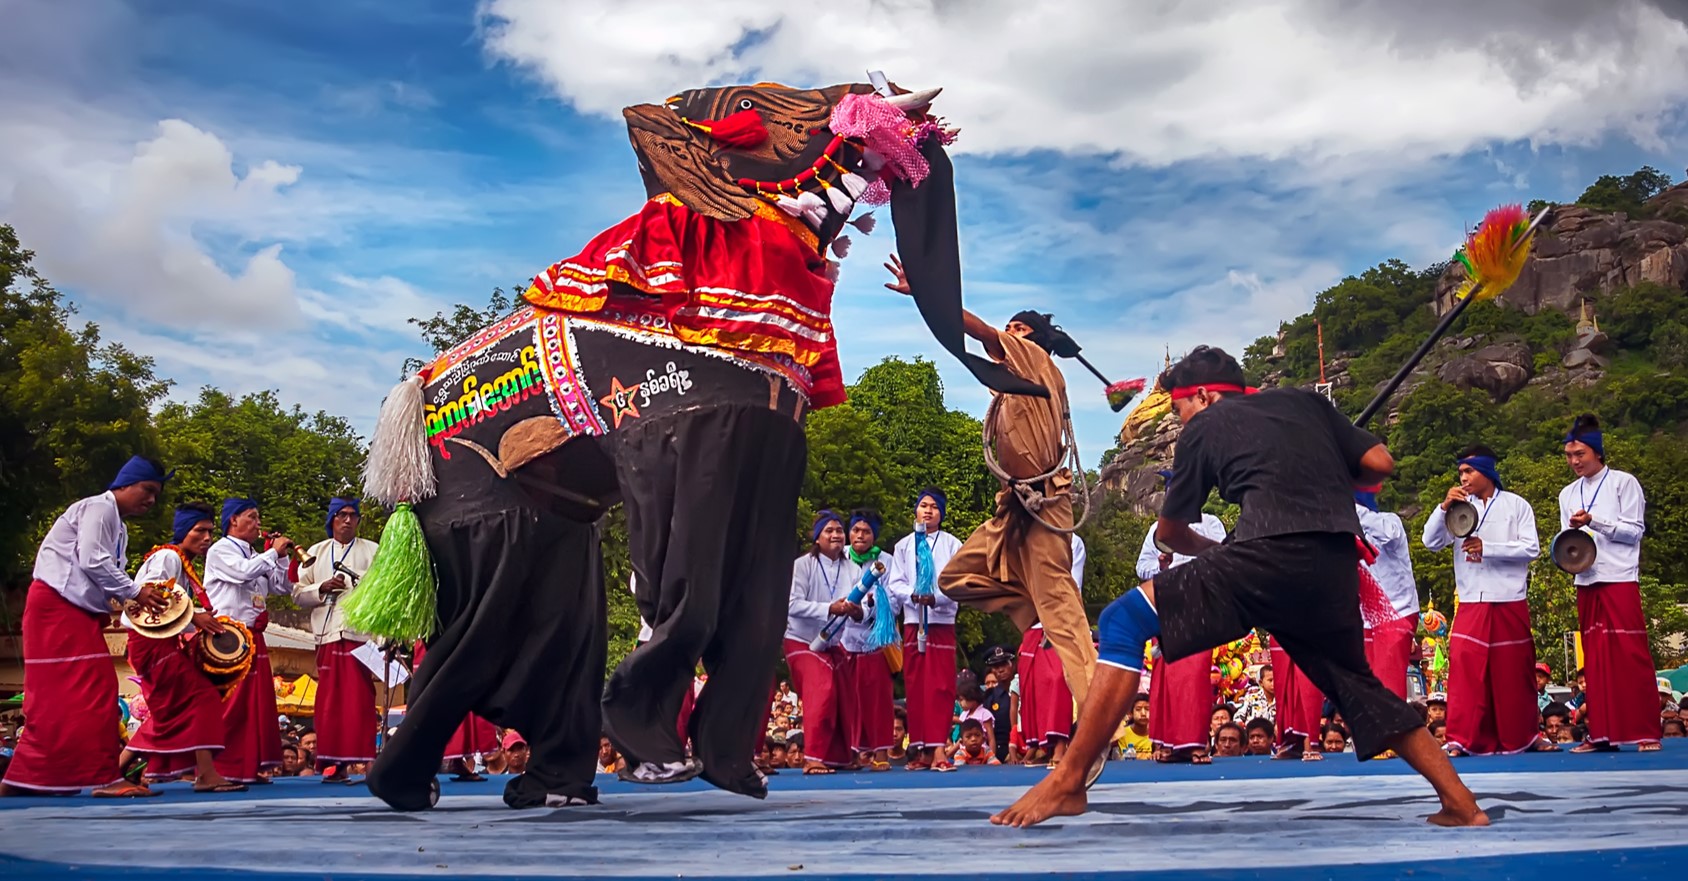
{"x":1189,"y":391}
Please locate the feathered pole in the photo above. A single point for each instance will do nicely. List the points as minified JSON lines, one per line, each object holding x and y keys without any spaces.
{"x":1493,"y":257}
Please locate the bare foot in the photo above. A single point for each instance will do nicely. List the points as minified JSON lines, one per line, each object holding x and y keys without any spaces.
{"x":1449,"y":817}
{"x":1047,"y":799}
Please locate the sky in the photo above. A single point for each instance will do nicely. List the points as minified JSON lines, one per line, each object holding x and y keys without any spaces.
{"x":259,"y":195}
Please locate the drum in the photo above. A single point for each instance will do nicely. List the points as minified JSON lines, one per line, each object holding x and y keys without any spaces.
{"x":225,"y":657}
{"x":1573,"y":551}
{"x":1461,"y":518}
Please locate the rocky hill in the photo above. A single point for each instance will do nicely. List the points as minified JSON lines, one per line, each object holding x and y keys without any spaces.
{"x":1581,"y":257}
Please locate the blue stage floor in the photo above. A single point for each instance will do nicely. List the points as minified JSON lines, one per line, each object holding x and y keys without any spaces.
{"x":1556,"y":815}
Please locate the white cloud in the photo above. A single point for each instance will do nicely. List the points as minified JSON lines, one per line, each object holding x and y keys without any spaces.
{"x":127,"y":231}
{"x":1155,"y":82}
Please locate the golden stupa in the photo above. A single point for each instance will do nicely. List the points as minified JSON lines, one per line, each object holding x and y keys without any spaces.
{"x":1154,"y":405}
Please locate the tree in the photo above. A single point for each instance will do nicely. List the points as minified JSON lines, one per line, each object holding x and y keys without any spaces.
{"x":73,"y":409}
{"x":845,"y":467}
{"x":289,"y":461}
{"x":924,"y":443}
{"x":1627,"y":194}
{"x":443,"y":331}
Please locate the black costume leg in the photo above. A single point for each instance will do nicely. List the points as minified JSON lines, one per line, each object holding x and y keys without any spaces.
{"x":1305,"y":590}
{"x":710,"y":494}
{"x":726,"y":726}
{"x":521,"y":602}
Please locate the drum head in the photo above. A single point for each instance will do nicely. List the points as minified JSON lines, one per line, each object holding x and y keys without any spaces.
{"x":226,"y":648}
{"x":1461,"y":519}
{"x":1161,"y":546}
{"x":1573,"y":551}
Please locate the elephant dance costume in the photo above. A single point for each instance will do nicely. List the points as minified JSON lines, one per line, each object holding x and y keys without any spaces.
{"x":667,"y":366}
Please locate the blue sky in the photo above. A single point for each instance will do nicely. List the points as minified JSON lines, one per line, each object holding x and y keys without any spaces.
{"x":259,"y":194}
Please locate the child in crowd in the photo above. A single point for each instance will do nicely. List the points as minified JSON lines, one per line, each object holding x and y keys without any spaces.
{"x":972,"y":749}
{"x":973,"y":708}
{"x":1133,"y":733}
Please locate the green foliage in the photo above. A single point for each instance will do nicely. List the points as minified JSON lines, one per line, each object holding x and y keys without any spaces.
{"x":923,"y":443}
{"x":291,"y":462}
{"x":73,"y":409}
{"x":443,"y":331}
{"x":1626,"y":194}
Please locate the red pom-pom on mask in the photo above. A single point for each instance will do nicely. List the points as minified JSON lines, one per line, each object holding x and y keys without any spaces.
{"x":744,"y":129}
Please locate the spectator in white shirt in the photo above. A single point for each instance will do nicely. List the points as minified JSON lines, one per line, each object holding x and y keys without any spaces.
{"x":1389,"y":646}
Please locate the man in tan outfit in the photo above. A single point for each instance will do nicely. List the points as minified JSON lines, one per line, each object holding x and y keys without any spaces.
{"x":1011,"y":564}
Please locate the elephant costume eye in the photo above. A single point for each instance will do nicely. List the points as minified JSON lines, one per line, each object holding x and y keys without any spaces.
{"x":745,"y":104}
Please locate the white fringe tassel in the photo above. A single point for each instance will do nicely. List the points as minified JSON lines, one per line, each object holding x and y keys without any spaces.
{"x":398,"y":468}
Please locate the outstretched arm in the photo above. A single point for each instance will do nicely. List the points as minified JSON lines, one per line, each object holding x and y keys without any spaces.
{"x":971,"y":324}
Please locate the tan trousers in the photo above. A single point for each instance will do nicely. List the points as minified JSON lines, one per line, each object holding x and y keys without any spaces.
{"x":1014,"y":566}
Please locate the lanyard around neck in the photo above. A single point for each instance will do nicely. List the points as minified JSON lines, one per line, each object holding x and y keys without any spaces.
{"x":1582,"y":487}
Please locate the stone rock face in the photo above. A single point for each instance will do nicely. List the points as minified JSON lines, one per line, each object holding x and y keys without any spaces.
{"x":1583,"y":252}
{"x":1583,"y":358}
{"x":1501,"y":370}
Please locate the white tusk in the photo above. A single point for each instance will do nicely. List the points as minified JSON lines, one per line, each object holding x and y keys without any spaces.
{"x":914,"y":100}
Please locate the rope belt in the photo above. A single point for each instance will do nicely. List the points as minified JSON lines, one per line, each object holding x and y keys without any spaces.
{"x":1029,"y":490}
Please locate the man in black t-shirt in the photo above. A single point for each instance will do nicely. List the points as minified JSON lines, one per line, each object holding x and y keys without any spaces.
{"x":1290,"y":565}
{"x":999,"y":698}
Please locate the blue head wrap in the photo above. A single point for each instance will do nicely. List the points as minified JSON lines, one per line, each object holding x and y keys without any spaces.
{"x":1484,"y":465}
{"x":871,"y":519}
{"x":937,"y":496}
{"x":186,"y":519}
{"x":1367,"y":496}
{"x":233,"y":508}
{"x":822,"y":518}
{"x":139,"y":469}
{"x":335,"y":506}
{"x":1594,"y":439}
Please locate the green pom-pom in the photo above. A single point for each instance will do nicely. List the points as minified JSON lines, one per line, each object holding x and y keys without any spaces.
{"x":396,"y":598}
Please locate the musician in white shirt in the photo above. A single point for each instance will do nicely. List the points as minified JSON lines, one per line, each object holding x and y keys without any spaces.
{"x":70,"y":694}
{"x":1491,"y":653}
{"x":1609,"y":505}
{"x":346,"y":717}
{"x":239,"y":579}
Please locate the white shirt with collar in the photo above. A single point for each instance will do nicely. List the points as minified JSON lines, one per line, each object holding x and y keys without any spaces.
{"x":944,"y":547}
{"x":1148,"y":558}
{"x":328,"y":621}
{"x":1619,"y":507}
{"x":239,"y":582}
{"x":84,"y":554}
{"x":1507,"y":526}
{"x":1393,"y":569}
{"x":815,"y":582}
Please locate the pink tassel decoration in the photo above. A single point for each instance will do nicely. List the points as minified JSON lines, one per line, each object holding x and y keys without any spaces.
{"x":841,"y":247}
{"x":865,"y":223}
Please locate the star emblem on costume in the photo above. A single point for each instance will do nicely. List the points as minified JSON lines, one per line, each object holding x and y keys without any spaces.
{"x":620,"y":400}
